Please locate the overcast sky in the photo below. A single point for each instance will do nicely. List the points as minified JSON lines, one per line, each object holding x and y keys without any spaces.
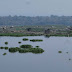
{"x":36,"y":7}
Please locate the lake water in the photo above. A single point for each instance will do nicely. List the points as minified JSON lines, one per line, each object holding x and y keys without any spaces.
{"x":49,"y":61}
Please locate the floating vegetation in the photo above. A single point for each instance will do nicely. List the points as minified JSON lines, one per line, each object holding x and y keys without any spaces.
{"x":26,"y":46}
{"x":4,"y":53}
{"x":1,"y":47}
{"x":25,"y":49}
{"x":25,"y":39}
{"x":32,"y":50}
{"x":13,"y":50}
{"x":6,"y":43}
{"x":36,"y":40}
{"x":6,"y":48}
{"x":59,"y":51}
{"x":37,"y":46}
{"x":19,"y":42}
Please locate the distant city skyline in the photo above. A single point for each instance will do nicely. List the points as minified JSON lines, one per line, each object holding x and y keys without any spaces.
{"x":35,"y":7}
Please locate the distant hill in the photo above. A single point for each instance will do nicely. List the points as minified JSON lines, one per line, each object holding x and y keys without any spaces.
{"x":38,"y":20}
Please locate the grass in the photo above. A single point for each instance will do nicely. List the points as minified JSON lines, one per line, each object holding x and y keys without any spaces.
{"x":36,"y":40}
{"x":60,"y":35}
{"x":18,"y":34}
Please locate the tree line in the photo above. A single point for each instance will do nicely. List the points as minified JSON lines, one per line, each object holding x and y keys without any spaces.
{"x":38,"y":20}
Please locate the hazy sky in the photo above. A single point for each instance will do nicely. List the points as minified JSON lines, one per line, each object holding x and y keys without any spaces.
{"x":35,"y":7}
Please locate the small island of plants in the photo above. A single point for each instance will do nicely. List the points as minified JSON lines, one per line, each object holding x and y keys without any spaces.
{"x":26,"y":49}
{"x":36,"y":40}
{"x":6,"y":43}
{"x":25,"y":39}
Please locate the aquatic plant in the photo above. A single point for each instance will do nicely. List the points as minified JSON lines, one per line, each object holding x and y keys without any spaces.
{"x":19,"y":42}
{"x":25,"y":50}
{"x":26,"y":46}
{"x":4,"y":53}
{"x":6,"y":48}
{"x":6,"y":43}
{"x":13,"y":50}
{"x":37,"y":46}
{"x":35,"y":40}
{"x":59,"y":51}
{"x":25,"y":39}
{"x":37,"y":50}
{"x":1,"y":47}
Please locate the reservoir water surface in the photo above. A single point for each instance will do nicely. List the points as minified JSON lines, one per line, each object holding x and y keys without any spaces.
{"x":48,"y":61}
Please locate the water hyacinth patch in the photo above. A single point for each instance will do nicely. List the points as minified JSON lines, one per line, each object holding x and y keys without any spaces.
{"x":36,"y":40}
{"x":6,"y":43}
{"x":25,"y":39}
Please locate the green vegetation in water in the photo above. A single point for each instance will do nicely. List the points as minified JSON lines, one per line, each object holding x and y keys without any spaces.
{"x":1,"y":47}
{"x":26,"y":49}
{"x":13,"y":50}
{"x":36,"y":40}
{"x":26,"y":46}
{"x":59,"y":51}
{"x":19,"y":42}
{"x":37,"y":46}
{"x":25,"y":39}
{"x":4,"y":53}
{"x":6,"y":48}
{"x":32,"y":50}
{"x":6,"y":43}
